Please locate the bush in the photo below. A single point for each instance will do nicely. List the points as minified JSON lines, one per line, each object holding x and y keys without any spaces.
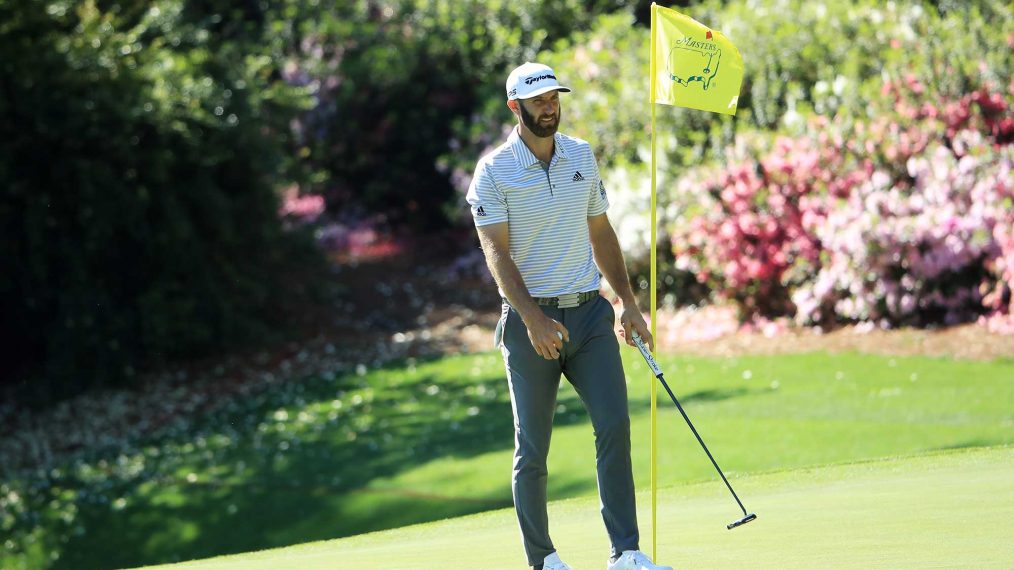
{"x":139,"y":150}
{"x":746,"y":235}
{"x":916,"y":246}
{"x":830,"y":60}
{"x":830,"y":220}
{"x":396,"y":84}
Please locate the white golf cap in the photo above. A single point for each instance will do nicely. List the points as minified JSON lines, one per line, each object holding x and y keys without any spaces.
{"x":531,"y":79}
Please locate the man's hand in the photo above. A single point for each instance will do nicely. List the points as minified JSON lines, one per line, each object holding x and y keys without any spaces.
{"x":542,"y":332}
{"x":631,"y":319}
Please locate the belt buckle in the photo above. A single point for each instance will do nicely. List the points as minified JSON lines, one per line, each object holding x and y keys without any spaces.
{"x":568,"y":301}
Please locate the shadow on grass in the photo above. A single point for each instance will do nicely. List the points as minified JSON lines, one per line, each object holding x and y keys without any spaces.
{"x":965,"y":445}
{"x":716,"y":395}
{"x":296,"y":465}
{"x":701,"y":396}
{"x":310,"y":460}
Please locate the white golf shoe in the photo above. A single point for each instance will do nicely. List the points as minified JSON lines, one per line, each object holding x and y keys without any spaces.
{"x":553,"y":562}
{"x":635,"y":560}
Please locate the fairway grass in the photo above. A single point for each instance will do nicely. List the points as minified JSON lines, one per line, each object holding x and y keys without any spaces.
{"x":940,"y":510}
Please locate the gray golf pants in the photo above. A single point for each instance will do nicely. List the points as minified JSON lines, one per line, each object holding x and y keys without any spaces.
{"x":591,"y":362}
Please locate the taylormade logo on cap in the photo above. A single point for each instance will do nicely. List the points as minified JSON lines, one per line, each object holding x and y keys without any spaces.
{"x":532,"y":79}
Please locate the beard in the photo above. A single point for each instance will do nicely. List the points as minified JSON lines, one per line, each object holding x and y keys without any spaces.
{"x":538,"y":127}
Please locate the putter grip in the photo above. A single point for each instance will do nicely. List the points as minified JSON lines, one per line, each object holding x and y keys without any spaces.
{"x":647,"y":355}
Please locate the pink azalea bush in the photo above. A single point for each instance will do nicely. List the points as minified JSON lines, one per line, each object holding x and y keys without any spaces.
{"x":902,"y":219}
{"x":300,"y":208}
{"x":350,"y":236}
{"x":749,"y":239}
{"x":911,"y":251}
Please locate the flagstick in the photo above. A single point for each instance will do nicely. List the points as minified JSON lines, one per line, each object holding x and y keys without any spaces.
{"x":653,"y":282}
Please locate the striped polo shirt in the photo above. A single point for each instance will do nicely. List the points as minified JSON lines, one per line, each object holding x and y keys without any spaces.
{"x":546,"y":210}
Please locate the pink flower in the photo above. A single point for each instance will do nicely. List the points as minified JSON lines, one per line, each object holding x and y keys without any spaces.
{"x":303,"y":208}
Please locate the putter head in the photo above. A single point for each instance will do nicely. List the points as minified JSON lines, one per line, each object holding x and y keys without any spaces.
{"x":741,"y":521}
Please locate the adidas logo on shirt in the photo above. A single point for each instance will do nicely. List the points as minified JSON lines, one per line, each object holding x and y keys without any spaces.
{"x":577,"y":176}
{"x":480,"y":211}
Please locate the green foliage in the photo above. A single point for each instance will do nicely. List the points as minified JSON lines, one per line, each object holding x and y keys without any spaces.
{"x":142,"y":144}
{"x":392,"y":82}
{"x":138,"y":156}
{"x":829,"y":58}
{"x":942,"y":68}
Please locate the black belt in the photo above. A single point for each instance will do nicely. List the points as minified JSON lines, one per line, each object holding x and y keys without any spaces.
{"x":568,"y":301}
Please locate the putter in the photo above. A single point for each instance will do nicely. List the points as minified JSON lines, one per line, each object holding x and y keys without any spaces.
{"x":747,"y":517}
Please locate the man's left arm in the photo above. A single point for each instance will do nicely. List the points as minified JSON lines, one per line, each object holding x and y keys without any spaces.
{"x":609,"y":259}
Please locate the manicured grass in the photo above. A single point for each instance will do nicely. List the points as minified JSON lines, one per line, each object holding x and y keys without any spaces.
{"x":762,"y":413}
{"x":944,"y":510}
{"x":367,"y":450}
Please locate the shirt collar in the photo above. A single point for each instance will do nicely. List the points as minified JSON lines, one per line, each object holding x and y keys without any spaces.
{"x":524,"y":155}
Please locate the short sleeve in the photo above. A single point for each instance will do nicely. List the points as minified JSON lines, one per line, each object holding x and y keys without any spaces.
{"x":598,"y":202}
{"x":488,"y":203}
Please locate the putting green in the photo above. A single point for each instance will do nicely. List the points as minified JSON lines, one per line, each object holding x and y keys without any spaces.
{"x":941,"y":510}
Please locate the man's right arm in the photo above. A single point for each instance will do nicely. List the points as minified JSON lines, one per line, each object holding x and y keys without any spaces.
{"x":495,"y":241}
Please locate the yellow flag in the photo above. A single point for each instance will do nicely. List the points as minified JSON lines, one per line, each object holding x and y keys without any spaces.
{"x":694,"y":66}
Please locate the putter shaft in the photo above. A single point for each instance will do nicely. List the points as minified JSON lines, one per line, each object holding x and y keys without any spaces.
{"x":657,"y":371}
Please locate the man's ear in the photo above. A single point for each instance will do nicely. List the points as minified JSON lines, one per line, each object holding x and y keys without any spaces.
{"x":512,"y":104}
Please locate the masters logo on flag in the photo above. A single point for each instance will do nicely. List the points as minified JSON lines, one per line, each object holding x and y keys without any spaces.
{"x":695,"y":66}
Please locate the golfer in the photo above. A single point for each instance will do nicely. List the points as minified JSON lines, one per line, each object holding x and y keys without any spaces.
{"x":539,"y":208}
